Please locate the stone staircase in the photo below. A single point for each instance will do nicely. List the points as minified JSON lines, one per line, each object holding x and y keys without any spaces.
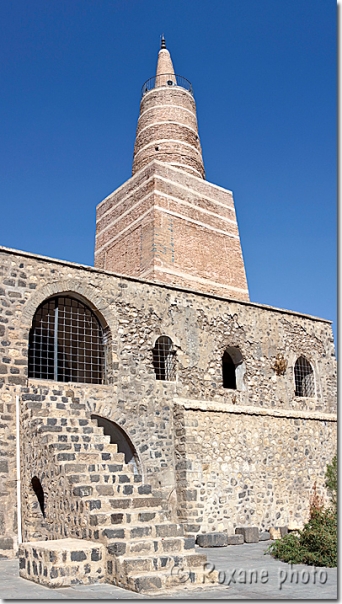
{"x":104,"y":502}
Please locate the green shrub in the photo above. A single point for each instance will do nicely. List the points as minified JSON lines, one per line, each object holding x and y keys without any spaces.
{"x":316,"y":544}
{"x":331,"y":480}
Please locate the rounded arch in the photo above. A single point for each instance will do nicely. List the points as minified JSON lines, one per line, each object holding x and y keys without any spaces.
{"x":304,"y":378}
{"x":164,"y":359}
{"x":68,"y":342}
{"x":88,"y":295}
{"x":119,"y":437}
{"x":38,"y":490}
{"x":233,"y":368}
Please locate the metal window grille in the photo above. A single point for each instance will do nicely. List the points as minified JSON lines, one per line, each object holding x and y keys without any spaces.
{"x":66,"y":343}
{"x":304,"y":378}
{"x":164,"y":359}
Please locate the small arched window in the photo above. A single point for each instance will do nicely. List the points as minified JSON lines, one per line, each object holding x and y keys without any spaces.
{"x":38,"y":489}
{"x":66,"y":342}
{"x":228,"y":371}
{"x":304,"y":378}
{"x":164,"y":359}
{"x":233,"y":369}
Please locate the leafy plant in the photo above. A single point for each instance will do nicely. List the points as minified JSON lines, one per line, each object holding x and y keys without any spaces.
{"x":316,"y":543}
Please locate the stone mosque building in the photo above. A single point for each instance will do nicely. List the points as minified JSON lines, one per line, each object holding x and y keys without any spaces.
{"x":146,"y":400}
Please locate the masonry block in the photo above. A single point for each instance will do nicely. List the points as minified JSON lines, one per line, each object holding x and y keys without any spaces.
{"x":212,"y":540}
{"x":250,"y":533}
{"x":235,"y":539}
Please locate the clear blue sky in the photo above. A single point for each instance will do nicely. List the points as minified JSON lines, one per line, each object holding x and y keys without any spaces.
{"x":264,"y":77}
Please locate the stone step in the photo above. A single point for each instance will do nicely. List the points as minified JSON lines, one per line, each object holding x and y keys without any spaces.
{"x":132,"y":518}
{"x":148,"y":545}
{"x":70,"y":421}
{"x":75,"y":438}
{"x":70,"y":429}
{"x":81,"y":466}
{"x":123,"y":494}
{"x":81,"y":447}
{"x":152,"y":573}
{"x":145,"y":530}
{"x":142,"y":503}
{"x":96,"y":460}
{"x":62,"y":562}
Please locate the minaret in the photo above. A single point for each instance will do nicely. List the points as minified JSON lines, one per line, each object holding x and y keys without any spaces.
{"x":166,"y":223}
{"x":167,"y":127}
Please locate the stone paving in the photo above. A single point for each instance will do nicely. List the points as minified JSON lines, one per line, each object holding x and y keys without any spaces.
{"x":270,"y":580}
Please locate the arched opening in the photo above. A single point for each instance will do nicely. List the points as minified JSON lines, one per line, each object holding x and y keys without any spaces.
{"x":304,"y":378}
{"x":66,"y":342}
{"x":228,"y":371}
{"x":38,"y":489}
{"x":119,"y":438}
{"x":164,"y":359}
{"x":233,"y":369}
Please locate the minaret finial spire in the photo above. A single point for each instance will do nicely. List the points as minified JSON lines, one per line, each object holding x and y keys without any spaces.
{"x":162,"y":41}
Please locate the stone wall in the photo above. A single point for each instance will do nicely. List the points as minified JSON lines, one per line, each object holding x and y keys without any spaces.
{"x":156,"y":415}
{"x":249,"y":469}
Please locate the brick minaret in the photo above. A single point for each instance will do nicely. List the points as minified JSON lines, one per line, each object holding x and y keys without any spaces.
{"x":167,"y":223}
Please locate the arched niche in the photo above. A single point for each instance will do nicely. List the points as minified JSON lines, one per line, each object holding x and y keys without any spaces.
{"x":119,"y":437}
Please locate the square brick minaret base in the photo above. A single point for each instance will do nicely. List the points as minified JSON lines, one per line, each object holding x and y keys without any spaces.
{"x":168,"y":226}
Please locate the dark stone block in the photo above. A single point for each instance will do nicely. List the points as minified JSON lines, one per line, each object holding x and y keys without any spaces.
{"x":112,"y":468}
{"x":147,"y":583}
{"x":117,"y":549}
{"x":22,"y":562}
{"x":145,"y":489}
{"x":283,"y":530}
{"x":114,"y":533}
{"x":146,"y":516}
{"x":77,"y":556}
{"x":6,"y":543}
{"x":83,"y":491}
{"x":189,"y":542}
{"x":4,"y":466}
{"x":250,"y":533}
{"x":264,"y":536}
{"x":141,"y":531}
{"x":95,"y":504}
{"x":212,"y":540}
{"x":96,"y":554}
{"x":116,"y":518}
{"x":235,"y":540}
{"x":120,"y":503}
{"x":34,"y":568}
{"x":53,"y":572}
{"x":128,"y":489}
{"x":190,"y":495}
{"x":124,"y":478}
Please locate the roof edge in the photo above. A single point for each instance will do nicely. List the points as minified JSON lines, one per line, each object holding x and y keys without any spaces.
{"x":8,"y":250}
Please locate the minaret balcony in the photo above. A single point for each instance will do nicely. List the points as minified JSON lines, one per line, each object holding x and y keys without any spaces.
{"x":165,"y":80}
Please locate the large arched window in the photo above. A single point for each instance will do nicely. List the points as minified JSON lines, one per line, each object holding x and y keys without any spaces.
{"x":304,"y":378}
{"x":164,"y":359}
{"x":66,"y":342}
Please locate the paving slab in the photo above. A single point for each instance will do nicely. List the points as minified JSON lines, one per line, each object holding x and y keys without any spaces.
{"x":245,"y":573}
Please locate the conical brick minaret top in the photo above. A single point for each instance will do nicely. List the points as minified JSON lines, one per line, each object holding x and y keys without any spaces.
{"x":167,"y":223}
{"x":167,"y":126}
